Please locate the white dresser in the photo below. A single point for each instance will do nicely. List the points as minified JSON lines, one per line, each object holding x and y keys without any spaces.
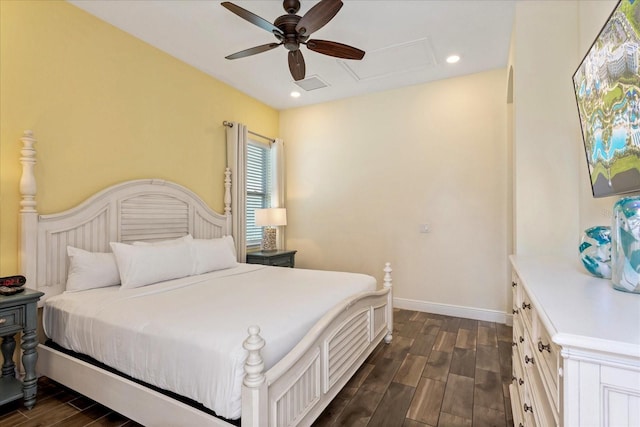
{"x":576,"y":349}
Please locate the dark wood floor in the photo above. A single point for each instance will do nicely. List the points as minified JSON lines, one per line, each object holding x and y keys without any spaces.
{"x":438,"y":371}
{"x":56,"y":405}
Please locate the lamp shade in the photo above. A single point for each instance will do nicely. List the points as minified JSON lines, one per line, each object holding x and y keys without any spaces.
{"x":271,"y":216}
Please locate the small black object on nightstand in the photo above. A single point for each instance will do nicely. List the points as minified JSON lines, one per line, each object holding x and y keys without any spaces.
{"x":279,"y":258}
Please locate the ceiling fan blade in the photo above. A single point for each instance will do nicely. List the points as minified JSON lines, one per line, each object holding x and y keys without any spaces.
{"x":336,"y":49}
{"x":318,"y":16}
{"x":252,"y":17}
{"x":253,"y":50}
{"x":296,"y":65}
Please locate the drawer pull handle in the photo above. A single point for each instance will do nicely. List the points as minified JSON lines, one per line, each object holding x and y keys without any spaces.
{"x":525,"y":305}
{"x":514,"y":311}
{"x":2,"y":320}
{"x":528,"y":408}
{"x":514,"y":284}
{"x":543,"y":347}
{"x":513,"y":343}
{"x":528,"y":359}
{"x":513,"y":378}
{"x":520,"y":381}
{"x":521,"y":339}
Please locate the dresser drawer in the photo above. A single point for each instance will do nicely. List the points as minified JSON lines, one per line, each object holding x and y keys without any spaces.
{"x":525,"y":352}
{"x":11,"y":319}
{"x":529,"y":420}
{"x":518,"y":378}
{"x":526,"y":308}
{"x":528,"y":409}
{"x":516,"y":406}
{"x":548,"y":358}
{"x":542,"y":411}
{"x":518,"y":332}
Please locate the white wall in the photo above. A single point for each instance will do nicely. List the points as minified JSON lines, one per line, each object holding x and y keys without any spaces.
{"x":553,"y":203}
{"x":546,"y":192}
{"x":593,"y":15}
{"x":545,"y":119}
{"x":363,"y":174}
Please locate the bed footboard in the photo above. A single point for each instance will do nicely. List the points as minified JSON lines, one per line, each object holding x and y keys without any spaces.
{"x":299,"y":387}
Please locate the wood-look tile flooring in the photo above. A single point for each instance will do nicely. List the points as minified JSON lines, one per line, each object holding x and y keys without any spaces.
{"x":59,"y":406}
{"x":438,"y":371}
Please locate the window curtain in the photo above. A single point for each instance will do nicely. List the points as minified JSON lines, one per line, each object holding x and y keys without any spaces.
{"x":236,"y":161}
{"x":278,"y":183}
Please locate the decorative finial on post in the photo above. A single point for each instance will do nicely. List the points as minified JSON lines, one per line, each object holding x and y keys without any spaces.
{"x":227,"y":191}
{"x":387,"y":285}
{"x":254,"y":366}
{"x":28,"y":180}
{"x":387,"y":275}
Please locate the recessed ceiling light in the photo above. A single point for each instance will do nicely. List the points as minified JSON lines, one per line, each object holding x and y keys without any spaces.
{"x":295,"y":94}
{"x":453,"y":59}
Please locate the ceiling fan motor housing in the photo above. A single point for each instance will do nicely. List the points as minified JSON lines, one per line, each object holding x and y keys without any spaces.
{"x":287,"y":24}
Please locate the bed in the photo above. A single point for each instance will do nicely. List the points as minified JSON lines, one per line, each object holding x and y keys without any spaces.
{"x":286,"y":379}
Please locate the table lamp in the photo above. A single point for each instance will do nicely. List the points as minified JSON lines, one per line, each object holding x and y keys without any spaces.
{"x":270,"y":218}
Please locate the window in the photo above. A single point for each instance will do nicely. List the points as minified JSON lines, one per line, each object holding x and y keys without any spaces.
{"x":258,"y":188}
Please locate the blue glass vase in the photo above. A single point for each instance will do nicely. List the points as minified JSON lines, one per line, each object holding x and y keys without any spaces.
{"x":595,"y":251}
{"x":625,"y":245}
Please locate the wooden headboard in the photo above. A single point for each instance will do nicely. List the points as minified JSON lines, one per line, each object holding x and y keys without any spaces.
{"x":139,"y":210}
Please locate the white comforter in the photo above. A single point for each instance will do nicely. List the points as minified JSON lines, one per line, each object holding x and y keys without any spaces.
{"x":186,"y":335}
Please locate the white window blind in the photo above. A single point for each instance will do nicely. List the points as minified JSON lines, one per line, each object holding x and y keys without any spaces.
{"x":258,"y":188}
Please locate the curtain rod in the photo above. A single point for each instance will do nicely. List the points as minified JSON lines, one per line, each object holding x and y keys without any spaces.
{"x":230,"y":125}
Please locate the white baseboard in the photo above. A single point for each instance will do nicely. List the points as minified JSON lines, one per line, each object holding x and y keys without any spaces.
{"x":454,"y":310}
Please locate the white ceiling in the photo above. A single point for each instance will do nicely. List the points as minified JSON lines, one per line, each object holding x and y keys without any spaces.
{"x":406,"y":42}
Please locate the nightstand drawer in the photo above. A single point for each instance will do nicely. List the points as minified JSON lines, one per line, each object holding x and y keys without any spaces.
{"x":284,"y":261}
{"x":10,"y":319}
{"x":274,"y":258}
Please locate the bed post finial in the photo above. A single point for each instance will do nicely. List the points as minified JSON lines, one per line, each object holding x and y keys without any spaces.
{"x":387,"y":285}
{"x":254,"y":366}
{"x":28,"y":212}
{"x":28,"y":180}
{"x":227,"y":191}
{"x":387,"y":275}
{"x":254,"y":388}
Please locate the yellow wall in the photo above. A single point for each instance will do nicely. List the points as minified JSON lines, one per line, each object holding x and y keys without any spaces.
{"x":105,"y":107}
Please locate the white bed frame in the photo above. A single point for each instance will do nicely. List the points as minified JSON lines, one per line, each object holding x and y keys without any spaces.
{"x":293,"y":392}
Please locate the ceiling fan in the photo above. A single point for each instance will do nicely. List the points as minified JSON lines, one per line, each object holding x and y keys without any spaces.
{"x":292,"y":31}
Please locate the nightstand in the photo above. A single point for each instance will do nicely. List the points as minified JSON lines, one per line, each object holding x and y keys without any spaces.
{"x":277,"y":258}
{"x":19,"y":312}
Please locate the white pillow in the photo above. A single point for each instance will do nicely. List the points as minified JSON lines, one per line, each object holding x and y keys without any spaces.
{"x":142,"y":265}
{"x":186,"y":238}
{"x":213,"y":254}
{"x":90,"y":270}
{"x":231,"y":243}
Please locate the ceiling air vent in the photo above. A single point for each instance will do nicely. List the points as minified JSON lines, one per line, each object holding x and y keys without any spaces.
{"x":311,"y":83}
